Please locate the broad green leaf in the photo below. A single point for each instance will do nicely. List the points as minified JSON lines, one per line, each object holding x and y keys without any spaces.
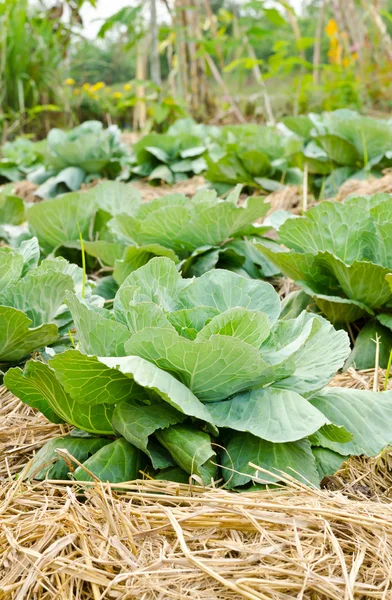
{"x":12,"y":210}
{"x":256,"y":163}
{"x":98,"y":332}
{"x":31,"y":396}
{"x":318,"y":359}
{"x":173,"y":474}
{"x":11,"y":267}
{"x":39,"y":295}
{"x":107,"y":252}
{"x":158,"y":281}
{"x":340,"y":310}
{"x":162,"y":173}
{"x":90,"y":382}
{"x":116,"y":462}
{"x":294,"y":304}
{"x":271,"y":414}
{"x":224,"y":290}
{"x":365,"y":414}
{"x":191,"y":449}
{"x":60,"y":220}
{"x":339,"y":229}
{"x":172,"y":391}
{"x":29,"y":249}
{"x":363,"y":355}
{"x":213,"y":369}
{"x":327,"y":461}
{"x":292,"y":458}
{"x":118,"y":198}
{"x":49,"y":465}
{"x":17,"y":340}
{"x":137,"y":421}
{"x":134,"y":257}
{"x":251,"y":327}
{"x":338,"y":149}
{"x":142,"y":315}
{"x":39,"y":380}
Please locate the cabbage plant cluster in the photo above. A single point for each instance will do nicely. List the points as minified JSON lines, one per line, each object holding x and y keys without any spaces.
{"x":198,"y":234}
{"x":200,"y":377}
{"x":340,"y":254}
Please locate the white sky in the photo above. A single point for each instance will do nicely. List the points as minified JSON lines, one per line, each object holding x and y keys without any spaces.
{"x":94,"y":17}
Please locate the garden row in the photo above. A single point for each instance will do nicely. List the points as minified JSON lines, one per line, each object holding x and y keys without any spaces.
{"x":155,"y":336}
{"x":329,"y":148}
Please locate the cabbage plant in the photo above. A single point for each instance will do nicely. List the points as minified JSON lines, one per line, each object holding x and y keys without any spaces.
{"x":32,"y":309}
{"x":197,"y":234}
{"x":341,"y":145}
{"x":82,"y":154}
{"x":254,"y":156}
{"x":340,"y":254}
{"x":200,"y":377}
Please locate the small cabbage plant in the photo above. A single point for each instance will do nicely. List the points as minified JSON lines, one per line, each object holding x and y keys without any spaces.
{"x":200,"y":378}
{"x":340,"y":254}
{"x":80,"y":155}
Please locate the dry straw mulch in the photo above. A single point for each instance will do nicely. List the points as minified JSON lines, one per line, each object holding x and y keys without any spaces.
{"x":366,"y":187}
{"x":156,"y":540}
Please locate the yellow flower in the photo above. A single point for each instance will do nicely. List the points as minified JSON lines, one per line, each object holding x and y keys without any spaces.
{"x":346,"y":62}
{"x":99,"y":85}
{"x":76,"y":92}
{"x":117,"y":95}
{"x":86,"y":86}
{"x":354,"y":56}
{"x":331,"y":28}
{"x":69,"y":81}
{"x":127,"y":87}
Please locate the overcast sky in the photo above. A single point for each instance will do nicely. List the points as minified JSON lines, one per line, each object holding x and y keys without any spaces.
{"x":93,"y":17}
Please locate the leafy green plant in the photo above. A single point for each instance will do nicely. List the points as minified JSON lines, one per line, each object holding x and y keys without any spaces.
{"x":341,"y":145}
{"x":255,"y":156}
{"x":32,"y":310}
{"x":171,"y":157}
{"x":85,"y":153}
{"x":340,"y":255}
{"x":19,"y":158}
{"x":197,"y":234}
{"x":202,"y":377}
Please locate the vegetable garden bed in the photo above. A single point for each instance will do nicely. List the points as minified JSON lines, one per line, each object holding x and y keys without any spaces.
{"x":157,"y":540}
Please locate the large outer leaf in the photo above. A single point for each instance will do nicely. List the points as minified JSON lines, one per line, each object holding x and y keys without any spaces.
{"x":98,"y":332}
{"x":117,"y":198}
{"x":327,"y":461}
{"x":137,"y":422}
{"x":90,"y":382}
{"x":213,"y":370}
{"x":37,"y":383}
{"x":60,"y":220}
{"x":366,"y":414}
{"x":364,"y":352}
{"x":17,"y":340}
{"x":271,"y":414}
{"x":332,"y":227}
{"x":171,"y":390}
{"x":11,"y":267}
{"x":191,"y":449}
{"x":116,"y":462}
{"x":39,"y":295}
{"x":339,"y":150}
{"x":12,"y":210}
{"x":317,"y":361}
{"x":294,"y":458}
{"x":107,"y":252}
{"x":48,"y":464}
